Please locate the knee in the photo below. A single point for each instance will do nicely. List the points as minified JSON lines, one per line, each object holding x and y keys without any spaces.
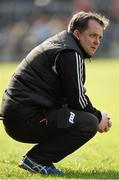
{"x":93,"y":126}
{"x":93,"y":120}
{"x":92,"y":123}
{"x":88,"y":122}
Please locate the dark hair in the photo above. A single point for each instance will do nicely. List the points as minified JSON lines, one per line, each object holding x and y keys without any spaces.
{"x":80,"y":21}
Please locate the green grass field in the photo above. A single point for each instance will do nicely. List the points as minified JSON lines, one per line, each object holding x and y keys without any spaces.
{"x":99,"y":158}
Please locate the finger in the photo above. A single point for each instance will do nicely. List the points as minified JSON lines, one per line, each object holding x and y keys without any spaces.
{"x":109,"y":123}
{"x":106,"y":129}
{"x":100,"y":131}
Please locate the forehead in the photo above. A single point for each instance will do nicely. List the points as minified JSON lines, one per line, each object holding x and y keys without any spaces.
{"x":94,"y":26}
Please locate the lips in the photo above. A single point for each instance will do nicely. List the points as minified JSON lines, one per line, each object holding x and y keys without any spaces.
{"x":94,"y":48}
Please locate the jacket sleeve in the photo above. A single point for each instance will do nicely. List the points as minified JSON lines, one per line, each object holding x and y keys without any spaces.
{"x":71,"y":70}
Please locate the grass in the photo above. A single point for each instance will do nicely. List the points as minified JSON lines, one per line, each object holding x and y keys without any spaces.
{"x":99,"y":158}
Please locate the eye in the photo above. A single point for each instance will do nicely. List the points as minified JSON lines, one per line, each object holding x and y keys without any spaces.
{"x":100,"y":38}
{"x":96,"y":36}
{"x":93,"y":35}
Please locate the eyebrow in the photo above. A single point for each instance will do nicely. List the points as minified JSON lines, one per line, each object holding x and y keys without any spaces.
{"x":101,"y":36}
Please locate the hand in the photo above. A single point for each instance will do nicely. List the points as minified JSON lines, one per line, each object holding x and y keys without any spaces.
{"x":105,"y":123}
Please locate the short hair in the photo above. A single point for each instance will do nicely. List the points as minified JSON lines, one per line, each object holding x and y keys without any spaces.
{"x":80,"y":21}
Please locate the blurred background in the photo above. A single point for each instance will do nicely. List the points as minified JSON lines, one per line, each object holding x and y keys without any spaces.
{"x":26,"y":23}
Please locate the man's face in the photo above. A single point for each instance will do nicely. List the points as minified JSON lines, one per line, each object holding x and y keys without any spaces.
{"x":90,"y":39}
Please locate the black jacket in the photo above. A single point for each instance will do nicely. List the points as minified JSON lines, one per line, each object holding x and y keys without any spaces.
{"x":52,"y":75}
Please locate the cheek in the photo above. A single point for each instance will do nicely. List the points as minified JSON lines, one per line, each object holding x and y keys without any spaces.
{"x":86,"y":43}
{"x":86,"y":40}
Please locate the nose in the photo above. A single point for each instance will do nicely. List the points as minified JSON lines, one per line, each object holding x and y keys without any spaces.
{"x":97,"y":41}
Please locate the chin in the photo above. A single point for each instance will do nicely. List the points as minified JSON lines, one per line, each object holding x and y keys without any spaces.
{"x":91,"y":53}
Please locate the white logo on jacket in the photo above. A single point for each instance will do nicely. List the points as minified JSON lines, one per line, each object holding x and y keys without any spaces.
{"x":71,"y":118}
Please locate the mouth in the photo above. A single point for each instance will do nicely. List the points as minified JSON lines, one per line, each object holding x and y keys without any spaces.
{"x":94,"y":48}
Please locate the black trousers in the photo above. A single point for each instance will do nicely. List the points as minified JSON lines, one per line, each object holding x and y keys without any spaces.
{"x":57,"y":133}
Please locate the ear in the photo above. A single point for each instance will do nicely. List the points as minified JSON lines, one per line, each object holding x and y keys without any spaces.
{"x":76,"y":33}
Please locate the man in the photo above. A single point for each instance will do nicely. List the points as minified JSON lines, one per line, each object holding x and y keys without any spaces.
{"x":46,"y":101}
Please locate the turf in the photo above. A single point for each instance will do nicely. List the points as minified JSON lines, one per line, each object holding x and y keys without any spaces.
{"x":99,"y":158}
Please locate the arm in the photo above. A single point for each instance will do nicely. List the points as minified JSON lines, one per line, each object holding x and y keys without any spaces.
{"x":71,"y":69}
